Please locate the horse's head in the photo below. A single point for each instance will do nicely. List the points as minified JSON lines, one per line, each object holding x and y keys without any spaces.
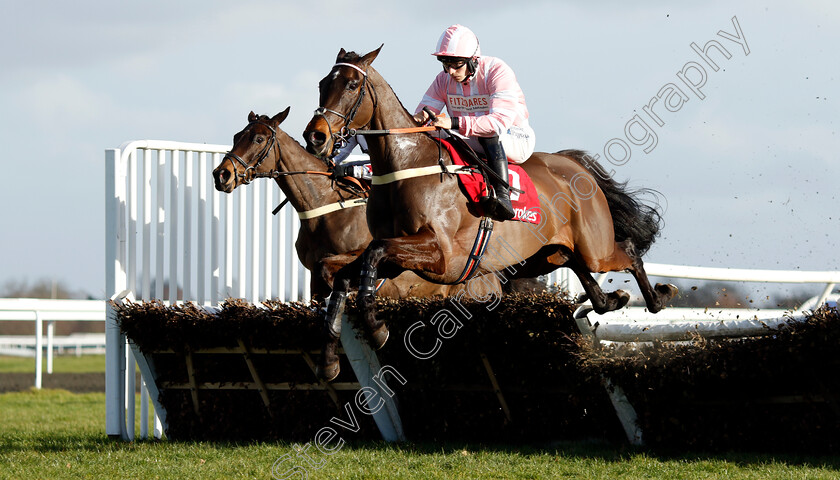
{"x":251,"y":148}
{"x":347,"y":102}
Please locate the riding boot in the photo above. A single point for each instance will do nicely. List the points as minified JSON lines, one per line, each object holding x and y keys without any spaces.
{"x":500,"y":208}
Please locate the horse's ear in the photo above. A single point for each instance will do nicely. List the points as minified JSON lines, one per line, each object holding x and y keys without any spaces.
{"x":252,"y":117}
{"x":340,"y":56}
{"x":369,"y":57}
{"x":281,"y":116}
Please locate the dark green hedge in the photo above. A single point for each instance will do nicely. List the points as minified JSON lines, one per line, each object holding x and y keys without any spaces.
{"x":779,"y":391}
{"x":527,"y":340}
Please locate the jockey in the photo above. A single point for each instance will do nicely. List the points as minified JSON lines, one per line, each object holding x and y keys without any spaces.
{"x":485,"y":105}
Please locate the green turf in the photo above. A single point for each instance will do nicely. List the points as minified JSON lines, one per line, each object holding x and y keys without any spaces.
{"x":61,"y":364}
{"x":56,"y":434}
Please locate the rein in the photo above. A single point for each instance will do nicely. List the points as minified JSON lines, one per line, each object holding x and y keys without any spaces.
{"x":273,"y":143}
{"x":392,"y":131}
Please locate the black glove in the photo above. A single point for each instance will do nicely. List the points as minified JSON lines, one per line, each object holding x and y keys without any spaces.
{"x":343,"y":170}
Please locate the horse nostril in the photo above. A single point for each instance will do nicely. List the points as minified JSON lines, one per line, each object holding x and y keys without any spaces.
{"x":222,"y":176}
{"x":317,"y":138}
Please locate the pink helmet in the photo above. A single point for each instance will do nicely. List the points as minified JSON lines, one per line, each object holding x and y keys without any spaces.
{"x":458,"y":41}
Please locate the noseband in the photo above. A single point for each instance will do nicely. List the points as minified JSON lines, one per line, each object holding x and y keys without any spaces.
{"x":345,"y":132}
{"x":271,"y":144}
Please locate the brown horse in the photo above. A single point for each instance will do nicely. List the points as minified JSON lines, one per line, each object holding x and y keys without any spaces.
{"x":262,"y":149}
{"x":589,"y":222}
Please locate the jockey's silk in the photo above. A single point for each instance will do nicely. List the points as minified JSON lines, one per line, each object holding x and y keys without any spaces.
{"x":488,"y":104}
{"x":526,"y":205}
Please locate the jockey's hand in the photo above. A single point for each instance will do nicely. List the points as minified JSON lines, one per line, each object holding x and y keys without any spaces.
{"x":343,"y":170}
{"x":421,"y":117}
{"x":442,"y":121}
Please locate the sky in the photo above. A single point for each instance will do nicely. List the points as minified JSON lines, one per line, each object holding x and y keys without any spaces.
{"x":748,"y":175}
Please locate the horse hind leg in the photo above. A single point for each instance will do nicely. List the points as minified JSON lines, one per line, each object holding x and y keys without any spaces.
{"x":655,"y":296}
{"x":602,"y":302}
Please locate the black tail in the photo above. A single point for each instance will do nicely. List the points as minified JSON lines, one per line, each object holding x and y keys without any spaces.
{"x":631,"y":217}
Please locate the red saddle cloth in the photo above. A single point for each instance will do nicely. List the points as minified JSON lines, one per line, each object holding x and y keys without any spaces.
{"x":526,"y":205}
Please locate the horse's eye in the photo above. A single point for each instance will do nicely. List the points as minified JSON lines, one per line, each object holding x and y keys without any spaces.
{"x":352,"y":85}
{"x":259,"y":139}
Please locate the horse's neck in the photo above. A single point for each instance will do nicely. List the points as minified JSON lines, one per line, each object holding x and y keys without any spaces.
{"x":390,"y":153}
{"x":304,"y":191}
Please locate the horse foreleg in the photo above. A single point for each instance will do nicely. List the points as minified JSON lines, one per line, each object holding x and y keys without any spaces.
{"x":376,"y":329}
{"x":418,"y":252}
{"x":329,"y":367}
{"x":655,"y":297}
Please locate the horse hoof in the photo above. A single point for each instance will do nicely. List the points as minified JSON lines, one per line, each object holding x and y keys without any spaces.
{"x":380,"y":337}
{"x":328,"y":372}
{"x":622,"y":300}
{"x":668,"y":291}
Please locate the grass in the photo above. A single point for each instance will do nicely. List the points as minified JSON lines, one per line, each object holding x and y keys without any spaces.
{"x":61,"y":364}
{"x":56,"y":434}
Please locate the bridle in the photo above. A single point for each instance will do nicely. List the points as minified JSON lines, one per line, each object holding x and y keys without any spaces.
{"x":266,"y":150}
{"x":340,"y":137}
{"x":272,"y":143}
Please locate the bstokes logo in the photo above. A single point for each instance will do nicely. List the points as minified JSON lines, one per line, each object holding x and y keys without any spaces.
{"x":525,"y":215}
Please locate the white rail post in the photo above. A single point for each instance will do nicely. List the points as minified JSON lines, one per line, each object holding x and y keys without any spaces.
{"x":158,"y":431}
{"x":623,"y":408}
{"x":39,"y":349}
{"x":130,"y":386}
{"x":144,"y":409}
{"x":50,"y":345}
{"x":366,"y":366}
{"x":824,"y":295}
{"x":115,"y":283}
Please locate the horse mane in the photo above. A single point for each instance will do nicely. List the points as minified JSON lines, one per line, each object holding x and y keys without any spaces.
{"x":632,"y":218}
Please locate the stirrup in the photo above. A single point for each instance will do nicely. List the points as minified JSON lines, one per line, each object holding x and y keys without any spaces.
{"x":503,"y":210}
{"x":495,"y":209}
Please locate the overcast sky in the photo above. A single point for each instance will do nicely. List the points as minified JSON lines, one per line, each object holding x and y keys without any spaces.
{"x":748,"y":175}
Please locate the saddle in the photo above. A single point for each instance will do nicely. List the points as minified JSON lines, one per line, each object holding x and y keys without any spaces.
{"x":523,"y":195}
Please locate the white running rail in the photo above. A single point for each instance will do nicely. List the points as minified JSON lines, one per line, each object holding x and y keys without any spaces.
{"x":47,"y":311}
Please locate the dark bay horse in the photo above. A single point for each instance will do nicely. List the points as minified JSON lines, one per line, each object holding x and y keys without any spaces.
{"x":262,"y":149}
{"x":590,"y":223}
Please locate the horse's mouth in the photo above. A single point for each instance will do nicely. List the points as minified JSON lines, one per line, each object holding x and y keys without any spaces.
{"x":320,"y":151}
{"x":317,"y":138}
{"x":227,"y":188}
